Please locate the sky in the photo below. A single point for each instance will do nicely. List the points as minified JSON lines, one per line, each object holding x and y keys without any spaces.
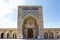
{"x":9,"y":12}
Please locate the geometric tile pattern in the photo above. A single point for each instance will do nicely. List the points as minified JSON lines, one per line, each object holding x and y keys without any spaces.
{"x":33,"y":12}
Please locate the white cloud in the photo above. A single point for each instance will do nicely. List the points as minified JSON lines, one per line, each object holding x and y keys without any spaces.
{"x":21,"y":2}
{"x":6,"y":7}
{"x":8,"y":23}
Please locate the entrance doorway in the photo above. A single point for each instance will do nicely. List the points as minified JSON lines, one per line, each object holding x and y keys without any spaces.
{"x":30,"y":33}
{"x":29,"y":23}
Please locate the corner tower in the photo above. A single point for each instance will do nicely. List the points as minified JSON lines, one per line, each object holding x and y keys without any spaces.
{"x":30,"y":22}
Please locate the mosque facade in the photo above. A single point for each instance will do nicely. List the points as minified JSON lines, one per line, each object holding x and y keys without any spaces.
{"x":30,"y":25}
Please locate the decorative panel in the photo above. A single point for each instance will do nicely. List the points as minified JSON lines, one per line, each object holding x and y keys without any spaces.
{"x":27,"y":11}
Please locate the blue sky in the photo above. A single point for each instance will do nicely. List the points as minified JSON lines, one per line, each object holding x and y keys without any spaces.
{"x":8,"y":12}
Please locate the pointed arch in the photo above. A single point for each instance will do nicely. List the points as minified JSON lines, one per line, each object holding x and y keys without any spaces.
{"x":7,"y":35}
{"x":28,"y":17}
{"x":14,"y":35}
{"x":46,"y":35}
{"x":51,"y":35}
{"x":58,"y":34}
{"x":2,"y":35}
{"x":29,"y":20}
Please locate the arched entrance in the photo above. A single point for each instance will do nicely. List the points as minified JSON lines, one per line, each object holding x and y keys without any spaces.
{"x":2,"y":35}
{"x":30,"y":27}
{"x":30,"y":33}
{"x":14,"y":35}
{"x":7,"y":36}
{"x":51,"y":35}
{"x":45,"y":35}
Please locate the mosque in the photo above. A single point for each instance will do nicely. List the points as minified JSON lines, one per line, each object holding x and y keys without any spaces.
{"x":30,"y":26}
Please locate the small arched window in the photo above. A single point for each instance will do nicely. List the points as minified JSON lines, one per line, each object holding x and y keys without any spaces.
{"x":14,"y":35}
{"x":46,"y":35}
{"x":58,"y":34}
{"x":2,"y":35}
{"x":51,"y":35}
{"x":7,"y":35}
